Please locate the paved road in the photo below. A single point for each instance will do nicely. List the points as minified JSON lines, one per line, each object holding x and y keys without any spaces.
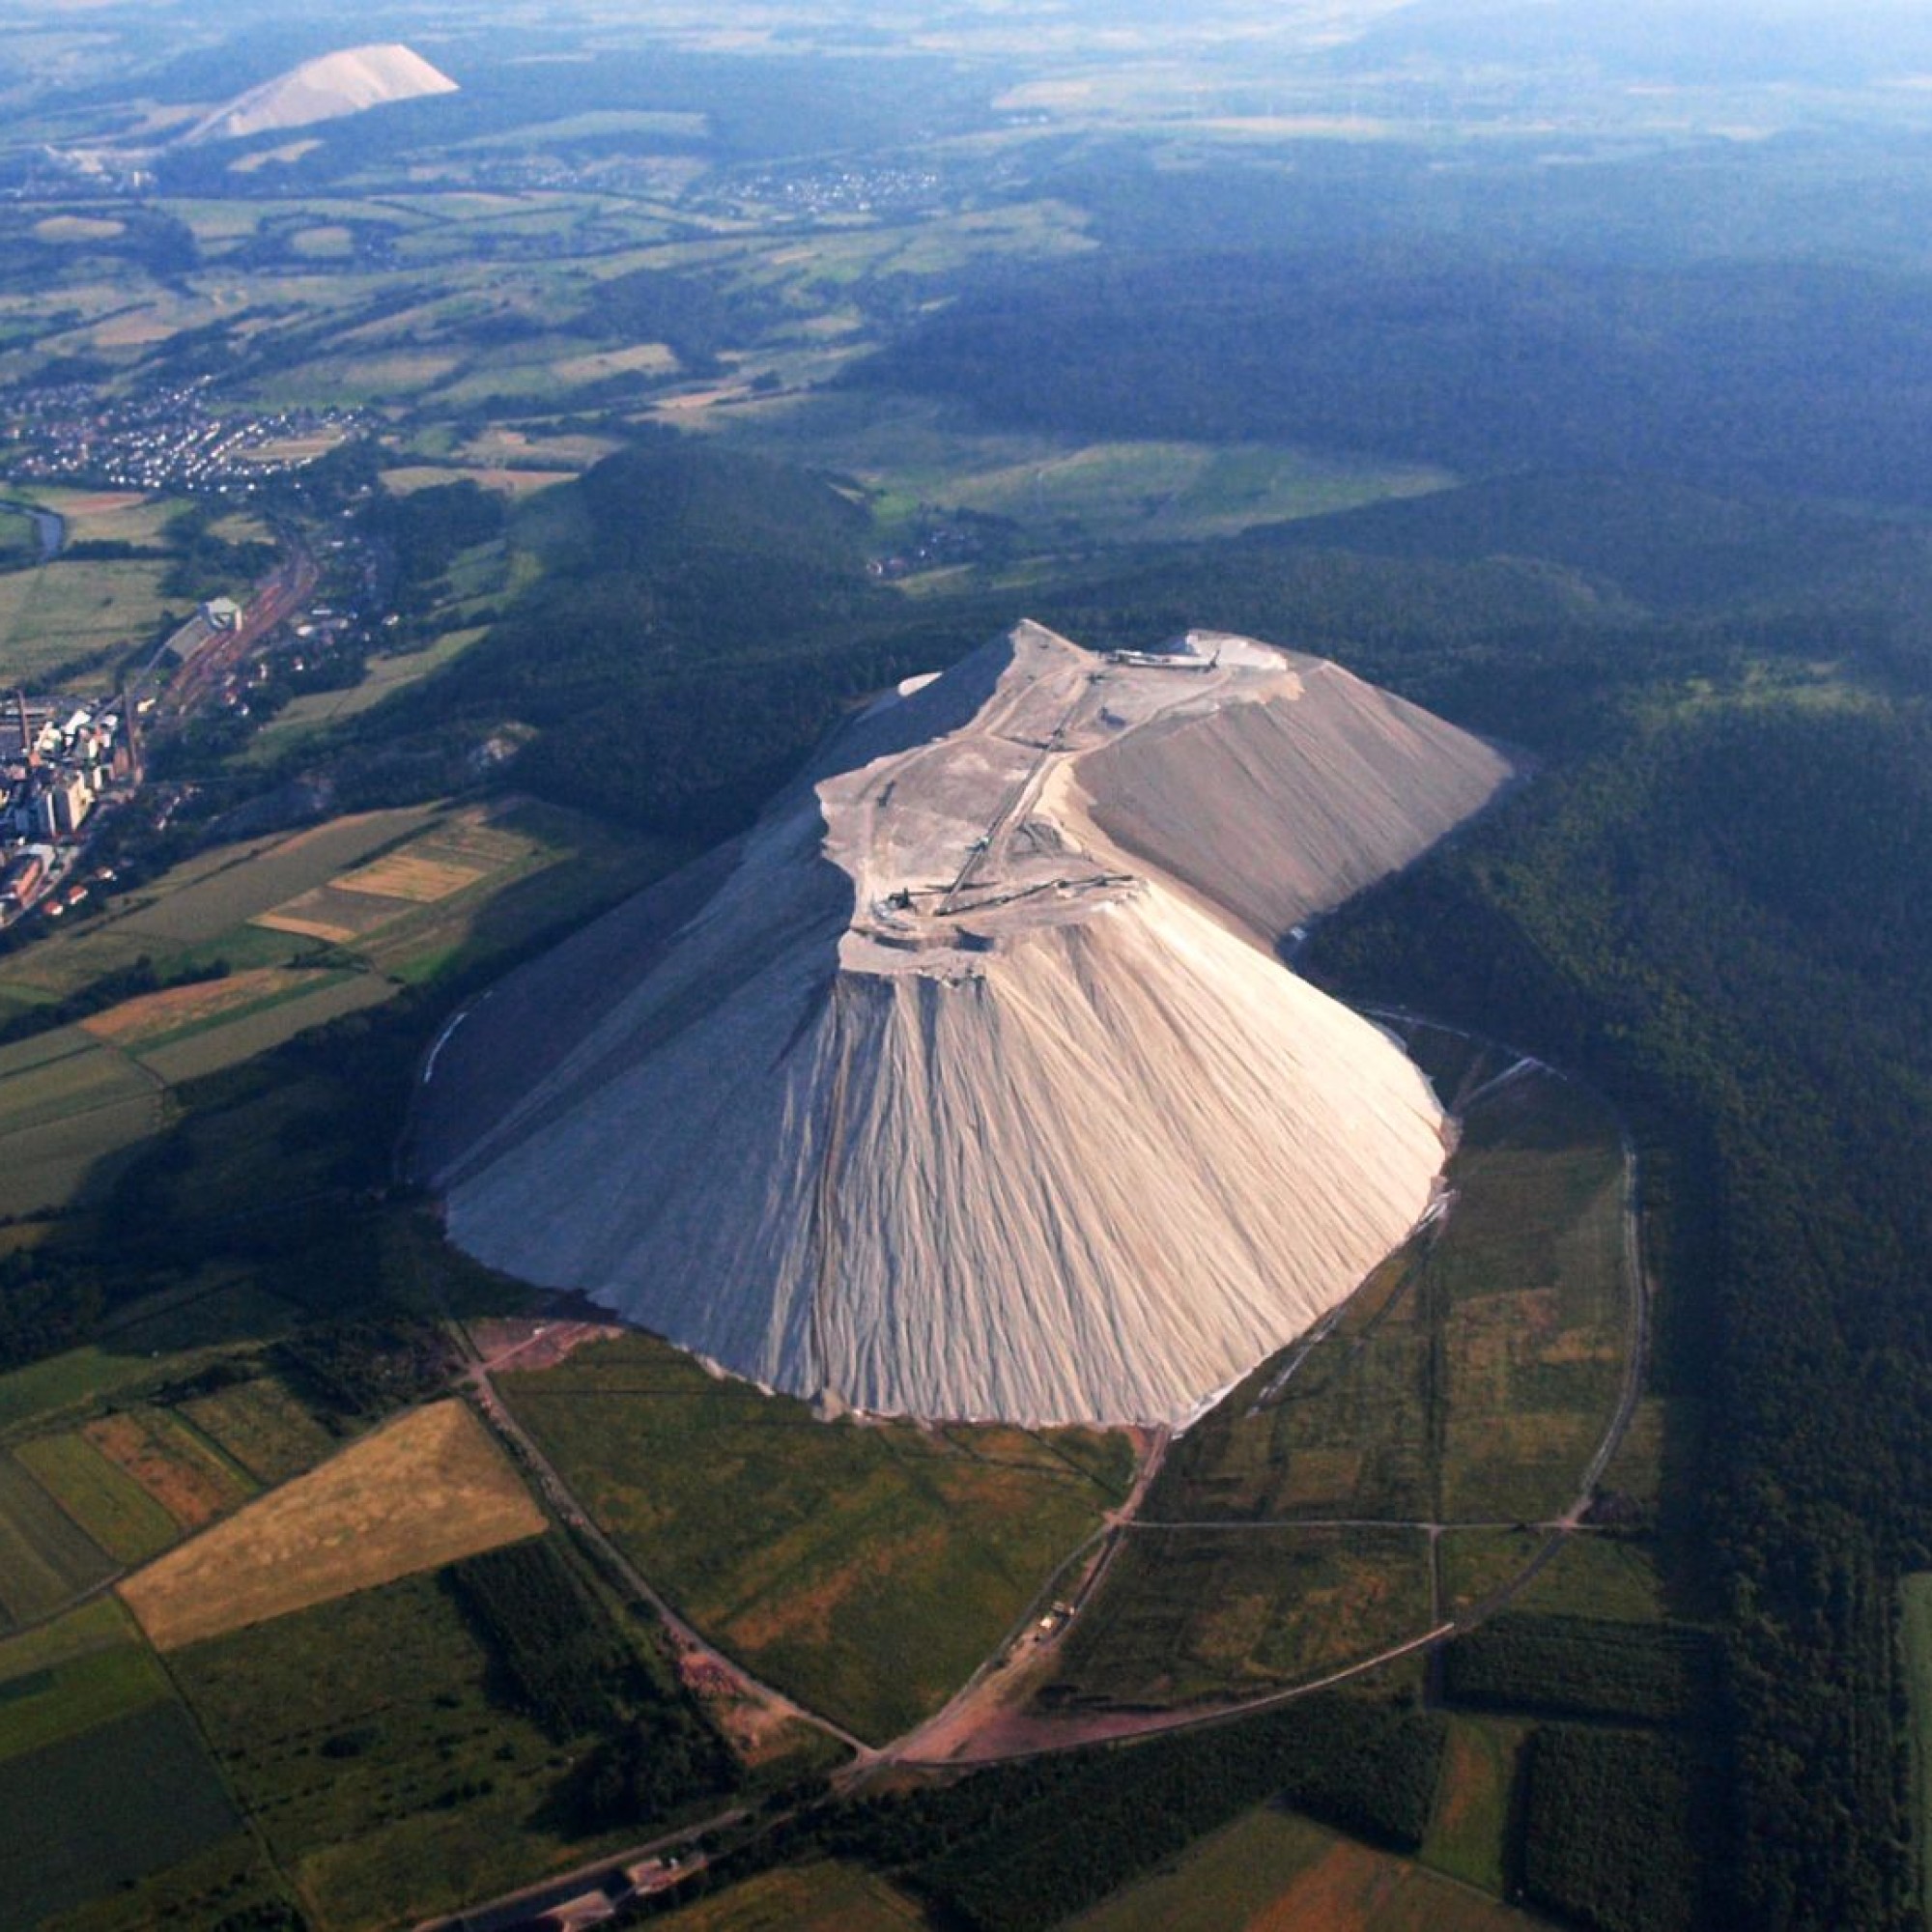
{"x":608,"y":1874}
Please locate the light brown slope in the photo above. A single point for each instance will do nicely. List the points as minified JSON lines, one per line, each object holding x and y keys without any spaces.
{"x":1280,"y":810}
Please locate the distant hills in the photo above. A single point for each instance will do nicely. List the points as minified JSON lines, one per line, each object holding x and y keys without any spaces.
{"x":324,"y":89}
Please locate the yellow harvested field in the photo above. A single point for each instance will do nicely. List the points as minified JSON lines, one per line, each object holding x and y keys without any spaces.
{"x":413,"y":476}
{"x":295,"y":448}
{"x":428,"y":1489}
{"x":407,"y":875}
{"x":304,"y":928}
{"x":654,"y":357}
{"x":154,"y":1015}
{"x":77,"y":228}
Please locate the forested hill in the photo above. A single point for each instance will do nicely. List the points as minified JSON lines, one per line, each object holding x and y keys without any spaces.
{"x":1664,"y":544}
{"x":1721,"y":916}
{"x":701,"y":620}
{"x":1798,"y":379}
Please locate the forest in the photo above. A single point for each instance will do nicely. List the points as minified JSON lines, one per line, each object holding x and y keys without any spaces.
{"x":1776,"y":375}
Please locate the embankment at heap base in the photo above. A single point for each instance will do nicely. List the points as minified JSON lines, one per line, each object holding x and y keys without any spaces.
{"x":968,"y":1085}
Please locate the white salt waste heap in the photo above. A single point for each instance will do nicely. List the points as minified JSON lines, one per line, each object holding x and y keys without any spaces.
{"x":968,"y":1084}
{"x":324,"y":89}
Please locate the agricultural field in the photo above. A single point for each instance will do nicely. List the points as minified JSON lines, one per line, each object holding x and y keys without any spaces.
{"x":1271,"y":1871}
{"x":76,"y":1382}
{"x":53,"y":614}
{"x":188,"y":1478}
{"x":918,"y":458}
{"x":263,"y":1427}
{"x":1473,"y":1373}
{"x":1478,"y":1565}
{"x":134,"y":1795}
{"x":216,"y":1321}
{"x":47,"y":1560}
{"x":211,"y":896}
{"x":828,"y":1897}
{"x":367,"y":1738}
{"x":1348,"y":1433}
{"x":867,"y":1570}
{"x":100,"y":1495}
{"x":425,"y":1490}
{"x":1591,"y":1576}
{"x":153,"y":1020}
{"x":1468,"y":1834}
{"x":392,"y":898}
{"x":1531,"y":1281}
{"x":68,"y":1106}
{"x":107,"y":516}
{"x":200,"y":911}
{"x":1468,"y":1381}
{"x":65,"y":1677}
{"x":1218,"y":1614}
{"x":201,"y":1049}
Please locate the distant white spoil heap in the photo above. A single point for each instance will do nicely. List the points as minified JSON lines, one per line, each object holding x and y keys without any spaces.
{"x":324,"y":90}
{"x":968,"y":1085}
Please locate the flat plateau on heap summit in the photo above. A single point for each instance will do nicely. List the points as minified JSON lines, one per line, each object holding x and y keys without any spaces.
{"x":968,"y":1084}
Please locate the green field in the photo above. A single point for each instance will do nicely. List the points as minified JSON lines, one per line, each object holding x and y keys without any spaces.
{"x":73,"y":1157}
{"x":62,"y":1073}
{"x":1476,"y":1564}
{"x":57,"y":611}
{"x":1468,"y":1832}
{"x":77,"y":1381}
{"x":45,"y":1558}
{"x":107,"y":1503}
{"x":69,"y":1676}
{"x":868,"y":1569}
{"x":1915,"y":1639}
{"x":828,"y":1897}
{"x":1531,"y":1276}
{"x":363,"y":1737}
{"x":1590,"y":1577}
{"x":19,"y":540}
{"x":918,"y":456}
{"x":132,"y":1796}
{"x":1227,"y":1879}
{"x":1469,"y":1380}
{"x":226,"y":1043}
{"x":1211,"y":1615}
{"x":1274,"y":1871}
{"x":303,"y":716}
{"x":263,"y":1427}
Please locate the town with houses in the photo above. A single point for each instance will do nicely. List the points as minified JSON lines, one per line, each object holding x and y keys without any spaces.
{"x":170,"y":438}
{"x":69,"y":760}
